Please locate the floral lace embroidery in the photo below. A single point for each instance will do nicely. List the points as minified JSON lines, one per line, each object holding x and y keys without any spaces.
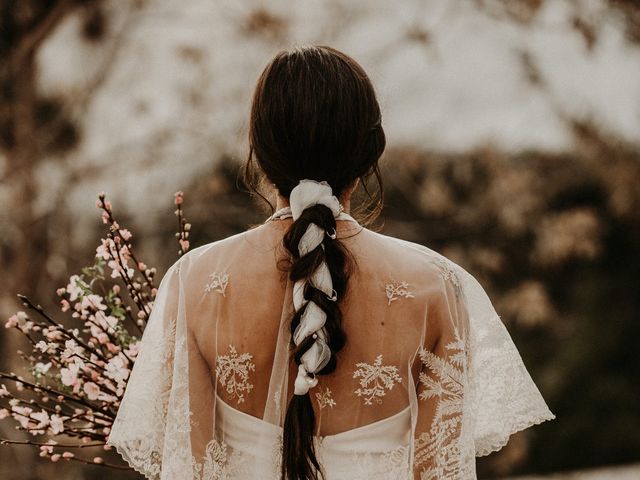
{"x":222,"y":462}
{"x":448,"y":271}
{"x":324,"y":399}
{"x":374,"y":379}
{"x":218,"y":283}
{"x":439,"y":448}
{"x":276,"y":399}
{"x":233,"y":372}
{"x":215,"y":457}
{"x":396,"y":290}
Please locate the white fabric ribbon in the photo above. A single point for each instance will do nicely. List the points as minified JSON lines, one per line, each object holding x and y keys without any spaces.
{"x":306,"y":194}
{"x":310,"y":192}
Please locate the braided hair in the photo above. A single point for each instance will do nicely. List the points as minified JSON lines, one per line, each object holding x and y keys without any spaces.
{"x":299,"y":424}
{"x":314,"y":115}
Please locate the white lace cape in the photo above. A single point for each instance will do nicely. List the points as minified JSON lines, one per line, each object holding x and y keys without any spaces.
{"x":422,"y":338}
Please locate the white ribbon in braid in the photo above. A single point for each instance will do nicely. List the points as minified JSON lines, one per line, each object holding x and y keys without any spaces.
{"x":306,"y":194}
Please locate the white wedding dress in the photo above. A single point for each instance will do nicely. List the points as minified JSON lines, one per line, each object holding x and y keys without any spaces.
{"x":429,"y":377}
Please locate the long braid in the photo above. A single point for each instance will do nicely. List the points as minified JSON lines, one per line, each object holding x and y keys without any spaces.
{"x":299,"y":456}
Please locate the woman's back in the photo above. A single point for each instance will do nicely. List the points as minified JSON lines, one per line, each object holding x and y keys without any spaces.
{"x":256,"y":306}
{"x":427,"y":379}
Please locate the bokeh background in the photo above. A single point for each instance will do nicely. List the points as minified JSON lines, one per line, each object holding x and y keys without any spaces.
{"x":513,"y":131}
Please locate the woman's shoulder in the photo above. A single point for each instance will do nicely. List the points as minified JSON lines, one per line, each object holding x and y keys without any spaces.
{"x":208,"y":254}
{"x":415,"y":257}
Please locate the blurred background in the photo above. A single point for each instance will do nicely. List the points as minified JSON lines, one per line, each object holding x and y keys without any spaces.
{"x":513,"y":130}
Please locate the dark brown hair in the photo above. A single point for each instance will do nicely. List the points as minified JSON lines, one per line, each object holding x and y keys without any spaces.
{"x":314,"y":115}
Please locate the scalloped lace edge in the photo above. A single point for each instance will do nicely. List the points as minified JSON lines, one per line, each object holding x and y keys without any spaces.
{"x":515,"y":428}
{"x":122,"y":450}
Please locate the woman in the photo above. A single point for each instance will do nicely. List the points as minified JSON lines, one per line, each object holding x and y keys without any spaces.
{"x":310,"y":346}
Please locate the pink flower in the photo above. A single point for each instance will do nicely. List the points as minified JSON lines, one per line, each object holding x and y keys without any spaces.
{"x":117,"y":369}
{"x":103,"y":250}
{"x":73,"y":289}
{"x":69,"y":376}
{"x":184,"y":244}
{"x":4,"y":413}
{"x":105,"y":321}
{"x":42,"y":418}
{"x":71,"y":349}
{"x":102,"y":338}
{"x":46,"y":450}
{"x":92,"y":390}
{"x":93,"y":301}
{"x":68,"y":455}
{"x":26,"y":327}
{"x":116,"y":289}
{"x":133,"y":349}
{"x":178,"y":198}
{"x":3,"y":391}
{"x":11,"y":322}
{"x":126,"y":234}
{"x":115,"y":273}
{"x":55,"y":457}
{"x":64,"y":305}
{"x":53,"y":334}
{"x":21,"y":415}
{"x":42,"y":368}
{"x":56,"y":424}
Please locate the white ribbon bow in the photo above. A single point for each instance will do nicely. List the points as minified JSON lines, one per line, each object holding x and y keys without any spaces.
{"x":306,"y":194}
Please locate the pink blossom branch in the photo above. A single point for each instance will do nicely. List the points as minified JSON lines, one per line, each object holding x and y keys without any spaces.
{"x":6,"y":441}
{"x":183,"y":226}
{"x":70,"y":335}
{"x":71,"y":398}
{"x":97,"y":461}
{"x":106,"y":207}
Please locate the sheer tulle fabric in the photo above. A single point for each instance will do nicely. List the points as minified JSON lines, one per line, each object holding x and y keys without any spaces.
{"x":429,"y":377}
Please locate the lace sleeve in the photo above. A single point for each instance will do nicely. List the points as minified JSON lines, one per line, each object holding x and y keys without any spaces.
{"x":443,"y":447}
{"x":503,"y":397}
{"x":473,"y":391}
{"x":150,"y":425}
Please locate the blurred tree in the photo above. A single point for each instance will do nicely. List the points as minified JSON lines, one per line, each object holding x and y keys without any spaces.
{"x":33,"y":127}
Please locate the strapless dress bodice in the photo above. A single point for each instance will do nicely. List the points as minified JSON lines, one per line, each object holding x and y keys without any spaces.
{"x":379,"y":450}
